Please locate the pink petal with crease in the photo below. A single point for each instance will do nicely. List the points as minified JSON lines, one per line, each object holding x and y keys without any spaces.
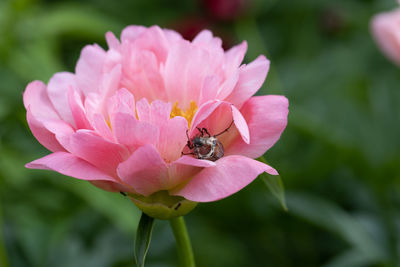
{"x":122,"y":101}
{"x":68,"y":164}
{"x":36,"y":99}
{"x":103,"y":154}
{"x":172,"y":138}
{"x":266,"y":118}
{"x":59,"y":86}
{"x":144,"y":170}
{"x":234,"y":57}
{"x":77,"y":110}
{"x":190,"y":161}
{"x":43,"y":135}
{"x":216,"y":116}
{"x":231,"y":174}
{"x":131,"y":132}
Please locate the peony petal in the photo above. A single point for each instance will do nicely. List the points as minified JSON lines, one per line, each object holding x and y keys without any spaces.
{"x":101,"y":126}
{"x":216,"y":116}
{"x":241,"y":124}
{"x":206,"y":38}
{"x":251,"y":77}
{"x":112,"y":41}
{"x":172,"y":138}
{"x":172,"y":35}
{"x":70,"y":165}
{"x":143,"y":110}
{"x":94,"y":149}
{"x":131,"y":132}
{"x":142,"y":74}
{"x":190,"y":161}
{"x":157,"y":113}
{"x":61,"y":130}
{"x":36,"y":98}
{"x":43,"y":135}
{"x":77,"y":110}
{"x":209,"y":89}
{"x":154,"y":39}
{"x":231,"y":174}
{"x":59,"y":86}
{"x":228,"y":86}
{"x":89,"y":69}
{"x":122,"y":101}
{"x":131,"y":33}
{"x":266,"y":118}
{"x":193,"y":65}
{"x":234,"y":57}
{"x":144,"y":170}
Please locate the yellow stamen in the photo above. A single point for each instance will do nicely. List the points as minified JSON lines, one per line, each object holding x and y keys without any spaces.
{"x":187,"y":114}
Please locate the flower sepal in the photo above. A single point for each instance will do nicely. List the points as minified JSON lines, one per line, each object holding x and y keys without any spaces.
{"x":163,"y":206}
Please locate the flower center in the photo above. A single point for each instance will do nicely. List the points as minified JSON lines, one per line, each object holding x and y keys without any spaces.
{"x":187,"y":114}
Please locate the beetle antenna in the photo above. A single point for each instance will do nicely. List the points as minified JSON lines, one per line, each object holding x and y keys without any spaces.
{"x":230,"y":125}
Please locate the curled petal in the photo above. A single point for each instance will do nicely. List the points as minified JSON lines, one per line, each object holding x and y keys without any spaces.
{"x":231,"y":174}
{"x":216,"y":116}
{"x":266,"y":118}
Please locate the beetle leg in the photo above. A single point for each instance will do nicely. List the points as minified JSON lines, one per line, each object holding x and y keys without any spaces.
{"x":191,"y":153}
{"x":189,"y":143}
{"x":201,"y":131}
{"x":205,"y":130}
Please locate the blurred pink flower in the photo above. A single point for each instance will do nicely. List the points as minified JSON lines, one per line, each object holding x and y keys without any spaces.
{"x":386,"y":30}
{"x":120,"y":120}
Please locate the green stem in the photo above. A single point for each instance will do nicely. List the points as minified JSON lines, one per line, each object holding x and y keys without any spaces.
{"x":185,"y":252}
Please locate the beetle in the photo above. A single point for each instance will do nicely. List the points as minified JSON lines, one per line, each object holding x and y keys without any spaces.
{"x":205,"y":145}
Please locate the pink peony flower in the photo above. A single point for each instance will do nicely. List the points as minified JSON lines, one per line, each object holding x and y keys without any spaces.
{"x":386,"y":30}
{"x":121,"y":120}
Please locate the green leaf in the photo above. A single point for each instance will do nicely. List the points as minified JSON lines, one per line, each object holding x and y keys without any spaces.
{"x":275,"y":185}
{"x":333,"y":218}
{"x":143,"y":238}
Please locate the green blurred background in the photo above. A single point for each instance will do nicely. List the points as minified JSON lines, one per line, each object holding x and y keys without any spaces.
{"x":339,"y":156}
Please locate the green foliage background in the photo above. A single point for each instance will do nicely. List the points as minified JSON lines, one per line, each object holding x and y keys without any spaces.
{"x":339,"y":156}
